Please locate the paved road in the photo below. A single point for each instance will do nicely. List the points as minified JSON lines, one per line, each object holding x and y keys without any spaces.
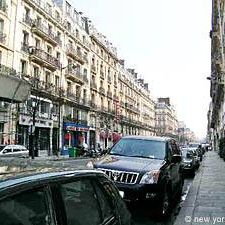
{"x":145,"y":216}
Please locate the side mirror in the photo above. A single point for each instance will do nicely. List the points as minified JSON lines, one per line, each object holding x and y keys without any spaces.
{"x":176,"y":159}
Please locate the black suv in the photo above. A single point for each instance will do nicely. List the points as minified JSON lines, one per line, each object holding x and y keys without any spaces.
{"x":65,"y":198}
{"x":145,"y":168}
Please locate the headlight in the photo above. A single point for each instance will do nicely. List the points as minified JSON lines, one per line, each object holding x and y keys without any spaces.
{"x":150,"y":177}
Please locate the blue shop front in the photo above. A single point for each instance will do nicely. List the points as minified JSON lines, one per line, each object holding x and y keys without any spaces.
{"x":74,"y":134}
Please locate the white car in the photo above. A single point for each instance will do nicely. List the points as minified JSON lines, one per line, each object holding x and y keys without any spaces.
{"x":14,"y":150}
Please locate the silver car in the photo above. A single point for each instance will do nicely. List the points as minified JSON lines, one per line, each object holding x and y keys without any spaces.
{"x":14,"y":150}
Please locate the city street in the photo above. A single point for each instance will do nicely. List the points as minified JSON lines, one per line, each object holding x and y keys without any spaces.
{"x":145,"y":216}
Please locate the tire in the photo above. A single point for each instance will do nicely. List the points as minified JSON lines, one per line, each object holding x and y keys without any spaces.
{"x":164,"y":206}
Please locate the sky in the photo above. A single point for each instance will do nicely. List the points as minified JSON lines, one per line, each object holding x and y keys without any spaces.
{"x":168,"y":44}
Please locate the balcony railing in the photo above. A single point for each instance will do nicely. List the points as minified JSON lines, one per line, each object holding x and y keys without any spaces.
{"x":93,"y":105}
{"x":3,"y":5}
{"x":75,"y":53}
{"x":74,"y":75}
{"x":2,"y":38}
{"x":102,"y":90}
{"x":44,"y":31}
{"x":27,"y":20}
{"x":44,"y":58}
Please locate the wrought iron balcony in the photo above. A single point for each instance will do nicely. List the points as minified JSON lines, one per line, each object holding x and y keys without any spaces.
{"x":43,"y":31}
{"x":93,"y":105}
{"x":72,"y":96}
{"x":75,"y":53}
{"x":74,"y":75}
{"x":102,"y":90}
{"x":43,"y":58}
{"x":28,"y":20}
{"x":2,"y":38}
{"x":3,"y":6}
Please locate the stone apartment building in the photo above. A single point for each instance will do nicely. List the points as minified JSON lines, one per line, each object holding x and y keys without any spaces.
{"x":216,"y":122}
{"x":166,"y":118}
{"x":80,"y":89}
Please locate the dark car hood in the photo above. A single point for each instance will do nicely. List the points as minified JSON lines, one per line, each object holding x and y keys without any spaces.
{"x":124,"y":163}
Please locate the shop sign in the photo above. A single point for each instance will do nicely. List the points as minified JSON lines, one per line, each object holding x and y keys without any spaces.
{"x":75,"y":127}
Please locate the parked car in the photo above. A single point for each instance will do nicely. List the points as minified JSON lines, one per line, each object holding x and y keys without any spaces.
{"x":195,"y":154}
{"x":188,"y":162}
{"x":81,"y":197}
{"x":145,"y":169}
{"x":14,"y":150}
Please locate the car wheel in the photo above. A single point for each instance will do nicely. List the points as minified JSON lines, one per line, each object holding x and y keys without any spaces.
{"x":163,"y":210}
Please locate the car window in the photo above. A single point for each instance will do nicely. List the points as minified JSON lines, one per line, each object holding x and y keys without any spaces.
{"x":80,"y":203}
{"x":16,"y":150}
{"x":105,"y":202}
{"x":7,"y":150}
{"x":26,"y":208}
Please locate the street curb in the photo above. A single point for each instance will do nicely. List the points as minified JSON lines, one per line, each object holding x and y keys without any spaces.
{"x":188,"y":206}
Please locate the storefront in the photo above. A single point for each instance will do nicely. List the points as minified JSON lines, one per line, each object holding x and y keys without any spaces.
{"x":75,"y":134}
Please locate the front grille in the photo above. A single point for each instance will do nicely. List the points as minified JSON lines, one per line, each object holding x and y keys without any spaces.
{"x":121,"y":176}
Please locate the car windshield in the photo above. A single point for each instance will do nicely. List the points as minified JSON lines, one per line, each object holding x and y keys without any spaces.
{"x":140,"y":148}
{"x":186,"y":153}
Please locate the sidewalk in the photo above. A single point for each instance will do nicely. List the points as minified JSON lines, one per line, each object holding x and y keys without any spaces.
{"x":205,"y":202}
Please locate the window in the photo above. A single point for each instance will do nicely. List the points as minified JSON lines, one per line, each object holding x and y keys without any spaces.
{"x":36,"y":71}
{"x":27,"y":12}
{"x":79,"y":199}
{"x":1,"y":26}
{"x":58,"y":55}
{"x":25,"y":38}
{"x":49,"y":50}
{"x":22,"y":209}
{"x":77,"y":33}
{"x":37,"y":43}
{"x":56,"y":81}
{"x":45,"y":106}
{"x":23,"y":67}
{"x":47,"y":77}
{"x":7,"y":150}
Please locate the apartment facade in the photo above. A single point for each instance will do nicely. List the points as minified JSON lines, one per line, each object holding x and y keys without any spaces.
{"x":80,"y":90}
{"x":216,"y":111}
{"x":166,"y":118}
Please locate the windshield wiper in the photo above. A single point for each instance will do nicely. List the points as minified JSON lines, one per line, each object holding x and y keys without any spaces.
{"x":146,"y":157}
{"x":112,"y":153}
